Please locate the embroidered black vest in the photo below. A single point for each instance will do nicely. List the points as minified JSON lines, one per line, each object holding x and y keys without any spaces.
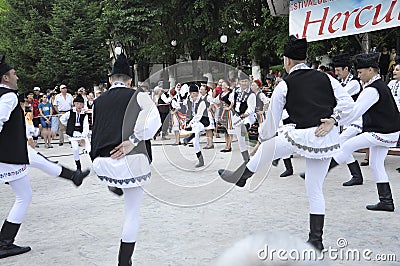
{"x":163,"y":107}
{"x":383,"y":116}
{"x":309,"y":97}
{"x":241,"y":99}
{"x":225,"y":98}
{"x":71,"y":124}
{"x":204,"y":118}
{"x":114,"y":119}
{"x":259,"y":102}
{"x":13,"y":140}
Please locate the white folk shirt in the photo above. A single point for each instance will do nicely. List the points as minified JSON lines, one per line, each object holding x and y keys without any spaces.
{"x":63,"y":104}
{"x":394,"y":86}
{"x":351,"y":86}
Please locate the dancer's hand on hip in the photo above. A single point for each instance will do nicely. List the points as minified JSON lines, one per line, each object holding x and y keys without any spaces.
{"x":325,"y":127}
{"x":122,"y":149}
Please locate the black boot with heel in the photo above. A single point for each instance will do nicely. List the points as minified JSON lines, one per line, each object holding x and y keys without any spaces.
{"x":7,"y":235}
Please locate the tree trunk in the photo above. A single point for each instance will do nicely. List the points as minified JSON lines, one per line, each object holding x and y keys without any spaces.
{"x":255,"y":68}
{"x":365,"y":43}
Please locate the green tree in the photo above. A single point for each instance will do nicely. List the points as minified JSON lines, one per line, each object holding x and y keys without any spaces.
{"x":73,"y":51}
{"x":22,"y":36}
{"x":132,"y":23}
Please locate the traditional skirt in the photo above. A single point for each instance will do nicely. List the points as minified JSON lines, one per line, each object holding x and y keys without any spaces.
{"x":11,"y":172}
{"x":305,"y":143}
{"x":379,"y":139}
{"x":129,"y":171}
{"x":225,"y":124}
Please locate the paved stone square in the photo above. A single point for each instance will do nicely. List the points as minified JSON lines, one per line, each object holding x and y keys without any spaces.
{"x":190,"y":216}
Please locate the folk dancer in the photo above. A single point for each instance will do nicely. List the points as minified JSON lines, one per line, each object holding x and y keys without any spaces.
{"x":77,"y":123}
{"x":315,"y":102}
{"x":353,"y":87}
{"x":13,"y":159}
{"x":175,"y":119}
{"x":381,"y":126}
{"x":207,"y":98}
{"x":394,"y":86}
{"x":39,"y":161}
{"x":244,"y":116}
{"x":225,"y":126}
{"x":197,"y":109}
{"x":123,"y":119}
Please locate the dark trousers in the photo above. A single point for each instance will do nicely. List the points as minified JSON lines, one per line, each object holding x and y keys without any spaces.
{"x":165,"y":124}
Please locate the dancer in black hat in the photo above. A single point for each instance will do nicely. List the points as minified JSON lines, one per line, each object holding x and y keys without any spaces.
{"x":243,"y":113}
{"x":77,"y":124}
{"x":123,"y":119}
{"x":353,"y":87}
{"x":381,"y":126}
{"x":197,"y":112}
{"x":13,"y":159}
{"x":315,"y":102}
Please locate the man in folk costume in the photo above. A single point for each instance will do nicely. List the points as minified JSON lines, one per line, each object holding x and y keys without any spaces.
{"x":381,"y":126}
{"x":123,"y":119}
{"x":198,"y":110}
{"x":39,"y":161}
{"x":77,"y":124}
{"x":175,"y":119}
{"x":394,"y":86}
{"x":13,"y":159}
{"x":353,"y":87}
{"x":315,"y":102}
{"x":244,"y":114}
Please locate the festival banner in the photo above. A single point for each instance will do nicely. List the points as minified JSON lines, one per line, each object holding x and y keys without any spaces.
{"x":325,"y":19}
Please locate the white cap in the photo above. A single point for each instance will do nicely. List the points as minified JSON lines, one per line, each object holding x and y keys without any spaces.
{"x":62,"y":86}
{"x":81,"y":89}
{"x":36,"y":89}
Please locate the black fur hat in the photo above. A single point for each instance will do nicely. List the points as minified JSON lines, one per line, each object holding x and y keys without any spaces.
{"x":295,"y":48}
{"x":193,"y":88}
{"x":4,"y":67}
{"x":79,"y":99}
{"x":367,"y":60}
{"x":121,"y":66}
{"x":342,"y":60}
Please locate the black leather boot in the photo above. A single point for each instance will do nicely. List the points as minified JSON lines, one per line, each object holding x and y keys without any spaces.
{"x":75,"y":176}
{"x":188,"y":139}
{"x":201,"y":160}
{"x":116,"y":190}
{"x":275,"y":162}
{"x":333,"y":164}
{"x":288,"y":166}
{"x":7,"y":236}
{"x":246,"y":156}
{"x":125,"y":253}
{"x":316,"y":231}
{"x":385,"y":199}
{"x":357,"y":178}
{"x":78,"y":165}
{"x":238,"y":177}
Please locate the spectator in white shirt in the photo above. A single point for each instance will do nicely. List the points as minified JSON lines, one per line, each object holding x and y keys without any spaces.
{"x":62,"y":103}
